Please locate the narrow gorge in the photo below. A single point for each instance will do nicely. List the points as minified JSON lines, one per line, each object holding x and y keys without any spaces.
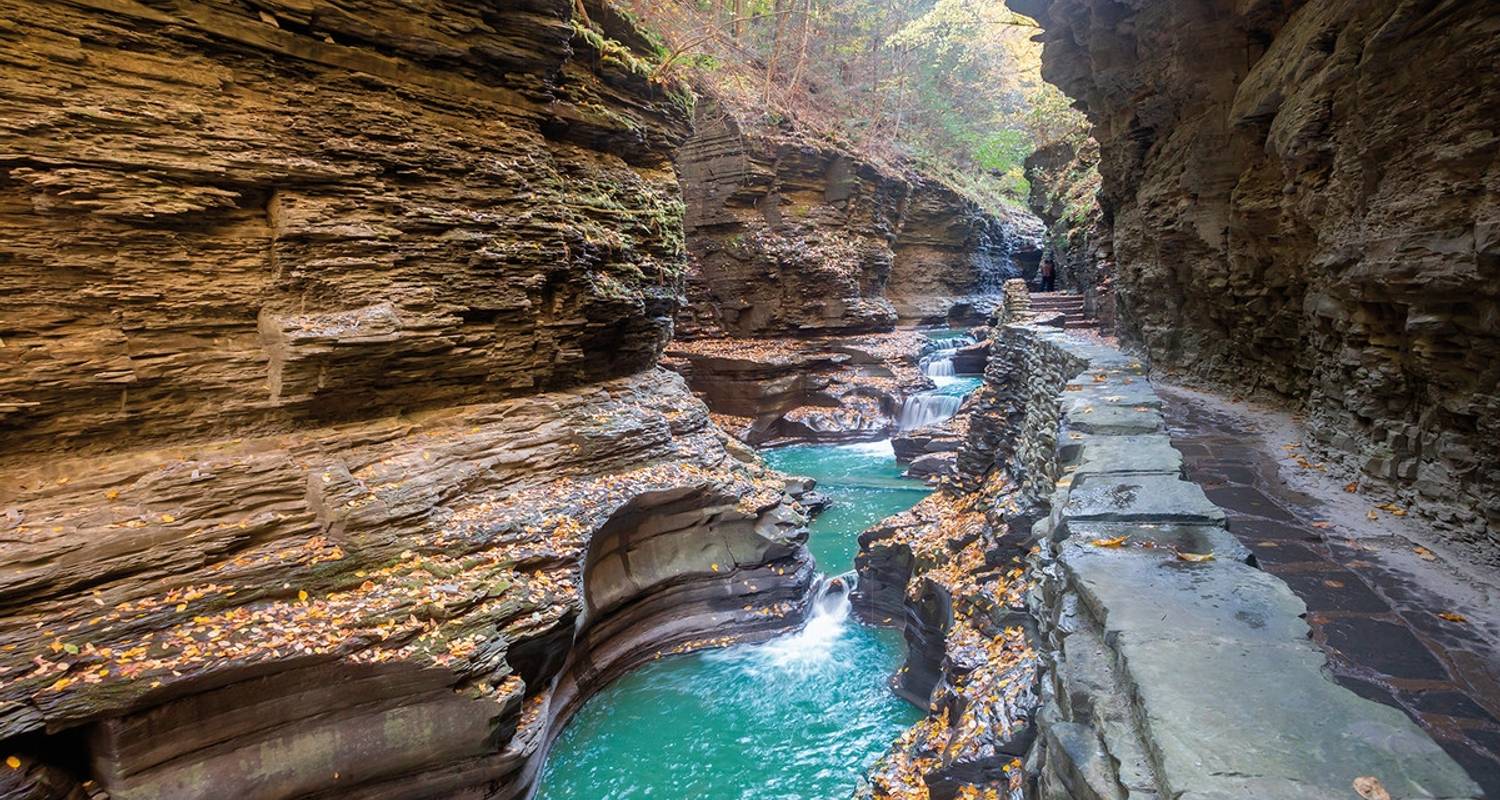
{"x":793,"y":400}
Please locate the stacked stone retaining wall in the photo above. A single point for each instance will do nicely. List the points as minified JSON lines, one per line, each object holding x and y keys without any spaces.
{"x":1172,"y":667}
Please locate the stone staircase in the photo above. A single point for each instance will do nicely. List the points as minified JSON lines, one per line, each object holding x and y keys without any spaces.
{"x":1069,"y":305}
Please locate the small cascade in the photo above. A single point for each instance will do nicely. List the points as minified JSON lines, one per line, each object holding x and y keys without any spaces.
{"x":927,"y":408}
{"x":938,"y":363}
{"x":813,"y":645}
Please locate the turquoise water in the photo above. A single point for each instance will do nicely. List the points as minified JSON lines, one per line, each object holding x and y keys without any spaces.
{"x":943,"y":334}
{"x":798,"y":718}
{"x":960,"y":386}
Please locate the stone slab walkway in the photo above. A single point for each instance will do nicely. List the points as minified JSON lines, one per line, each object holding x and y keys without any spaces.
{"x":1401,"y":624}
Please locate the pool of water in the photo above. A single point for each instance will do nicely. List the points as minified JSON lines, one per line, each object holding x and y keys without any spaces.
{"x":943,"y":334}
{"x":797,"y":718}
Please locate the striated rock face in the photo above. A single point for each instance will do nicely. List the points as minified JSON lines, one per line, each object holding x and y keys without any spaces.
{"x":1064,"y":178}
{"x":333,"y":459}
{"x":214,"y":221}
{"x":1304,"y":201}
{"x":790,"y":236}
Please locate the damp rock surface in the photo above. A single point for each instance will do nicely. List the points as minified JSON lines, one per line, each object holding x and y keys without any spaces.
{"x":1300,"y":200}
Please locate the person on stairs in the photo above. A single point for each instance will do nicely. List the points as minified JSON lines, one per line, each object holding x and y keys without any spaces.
{"x":1049,"y":274}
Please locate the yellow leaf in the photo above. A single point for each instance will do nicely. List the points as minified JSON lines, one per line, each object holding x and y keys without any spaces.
{"x":714,"y":567}
{"x":12,"y":762}
{"x":112,"y":494}
{"x":181,"y":607}
{"x":1117,"y":541}
{"x":1453,"y":617}
{"x":168,"y":518}
{"x":1370,"y":789}
{"x":302,"y":595}
{"x":1194,"y":557}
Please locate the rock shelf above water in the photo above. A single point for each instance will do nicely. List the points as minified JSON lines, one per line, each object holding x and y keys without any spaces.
{"x":1159,"y":661}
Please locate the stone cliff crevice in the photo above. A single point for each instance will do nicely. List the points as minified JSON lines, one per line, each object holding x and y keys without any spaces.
{"x":1302,"y":201}
{"x":791,"y":236}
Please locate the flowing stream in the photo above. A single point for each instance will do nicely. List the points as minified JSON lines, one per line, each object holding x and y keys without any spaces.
{"x":798,"y":718}
{"x":939,"y":404}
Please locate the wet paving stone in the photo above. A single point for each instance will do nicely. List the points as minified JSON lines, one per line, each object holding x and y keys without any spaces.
{"x":1385,"y":647}
{"x":1448,"y":703}
{"x":1333,"y":589}
{"x":1248,"y":501}
{"x":1254,"y":530}
{"x":1381,"y":629}
{"x":1271,"y":554}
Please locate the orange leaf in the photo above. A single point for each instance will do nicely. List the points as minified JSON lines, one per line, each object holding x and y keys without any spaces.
{"x":1117,"y":541}
{"x":1453,"y":617}
{"x":1351,"y":488}
{"x":1370,"y":789}
{"x":1427,"y":555}
{"x":12,"y":762}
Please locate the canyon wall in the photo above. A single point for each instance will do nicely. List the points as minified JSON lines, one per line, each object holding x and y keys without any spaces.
{"x":328,"y":398}
{"x":1064,"y":178}
{"x":1305,"y":200}
{"x":792,"y":236}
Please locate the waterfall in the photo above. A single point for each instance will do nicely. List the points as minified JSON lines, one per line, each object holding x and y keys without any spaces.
{"x":941,"y":365}
{"x":938,"y":364}
{"x":812,"y":646}
{"x":927,"y":408}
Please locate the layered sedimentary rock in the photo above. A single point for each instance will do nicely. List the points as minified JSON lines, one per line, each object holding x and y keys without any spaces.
{"x":1304,"y":201}
{"x":820,"y":389}
{"x":330,"y":437}
{"x":789,"y":235}
{"x":1064,"y":178}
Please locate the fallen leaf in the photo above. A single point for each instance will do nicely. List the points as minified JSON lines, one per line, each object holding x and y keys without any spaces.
{"x":1427,"y":555}
{"x":714,"y":567}
{"x":1370,"y":789}
{"x":1351,"y":488}
{"x":1195,"y":557}
{"x":112,"y":494}
{"x":1372,"y":515}
{"x":1452,"y":617}
{"x":12,"y":762}
{"x":302,"y":595}
{"x":1333,"y":584}
{"x":1321,"y":524}
{"x":168,"y":518}
{"x":1117,"y":541}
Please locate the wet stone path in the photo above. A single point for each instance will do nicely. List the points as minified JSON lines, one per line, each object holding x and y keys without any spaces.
{"x":1380,"y":626}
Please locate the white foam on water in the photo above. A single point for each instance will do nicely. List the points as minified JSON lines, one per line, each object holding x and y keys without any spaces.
{"x":812,"y":647}
{"x":882,"y":448}
{"x":927,"y":408}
